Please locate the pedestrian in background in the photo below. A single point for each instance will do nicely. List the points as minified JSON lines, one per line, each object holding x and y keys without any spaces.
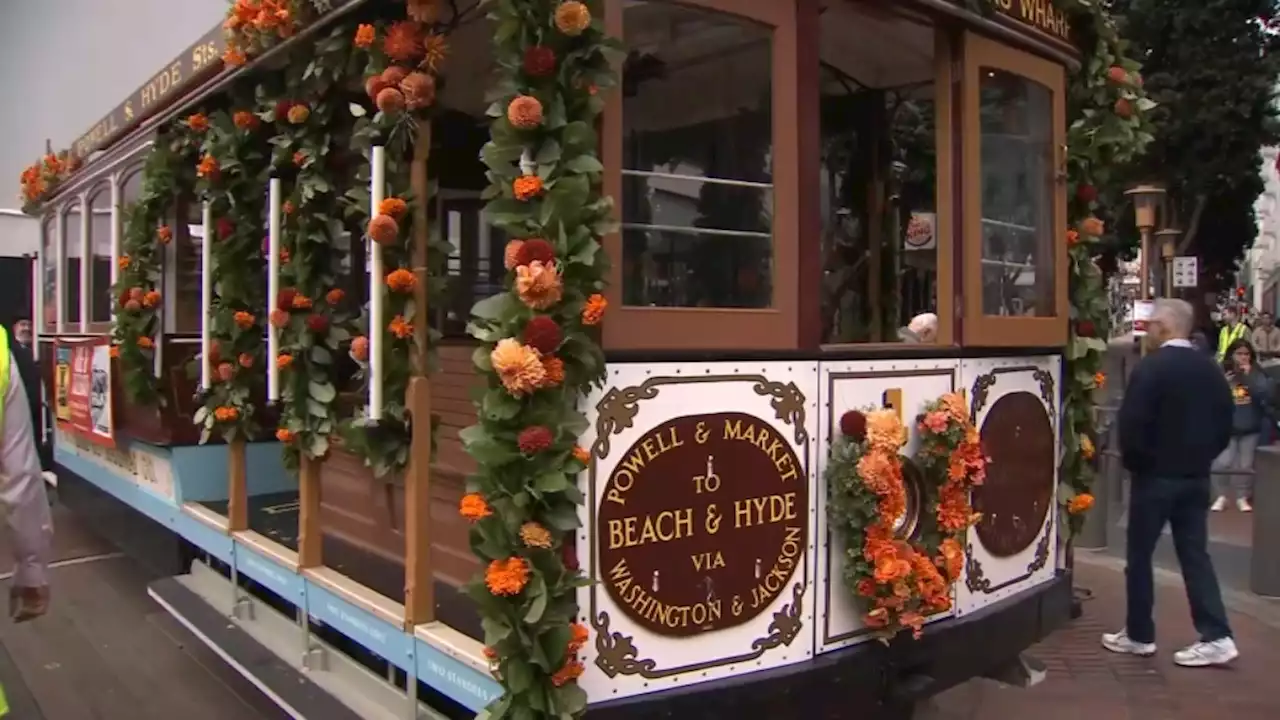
{"x":1175,"y":419}
{"x":1232,"y":330}
{"x":1251,"y":397}
{"x":1266,"y":338}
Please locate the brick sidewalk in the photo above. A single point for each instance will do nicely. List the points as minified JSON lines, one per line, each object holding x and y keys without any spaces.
{"x":1086,"y":681}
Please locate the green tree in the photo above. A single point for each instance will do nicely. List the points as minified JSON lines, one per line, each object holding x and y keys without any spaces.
{"x":1212,"y":68}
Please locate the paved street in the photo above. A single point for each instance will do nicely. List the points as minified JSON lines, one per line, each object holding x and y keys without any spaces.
{"x":1085,"y":681}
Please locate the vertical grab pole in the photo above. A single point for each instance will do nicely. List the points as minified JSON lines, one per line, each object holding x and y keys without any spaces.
{"x":206,"y":293}
{"x":86,"y":261}
{"x":273,"y":288}
{"x":115,"y":236}
{"x":377,"y":323}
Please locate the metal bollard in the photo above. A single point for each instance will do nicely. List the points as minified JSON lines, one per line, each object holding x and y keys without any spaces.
{"x":1264,"y":557}
{"x":1093,"y":536}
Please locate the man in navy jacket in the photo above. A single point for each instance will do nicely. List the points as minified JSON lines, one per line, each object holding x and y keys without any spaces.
{"x":1174,"y":421}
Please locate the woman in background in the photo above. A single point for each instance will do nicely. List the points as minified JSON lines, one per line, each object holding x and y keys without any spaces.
{"x":1251,"y":392}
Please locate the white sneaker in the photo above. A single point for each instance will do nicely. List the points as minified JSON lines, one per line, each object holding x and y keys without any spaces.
{"x":1121,"y":643}
{"x":1204,"y":654}
{"x":1219,"y":505}
{"x":1243,"y":505}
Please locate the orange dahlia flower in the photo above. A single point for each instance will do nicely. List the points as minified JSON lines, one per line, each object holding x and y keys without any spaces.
{"x":474,"y":508}
{"x":527,"y":187}
{"x":539,"y":286}
{"x":518,"y":366}
{"x":593,"y":311}
{"x":507,"y":577}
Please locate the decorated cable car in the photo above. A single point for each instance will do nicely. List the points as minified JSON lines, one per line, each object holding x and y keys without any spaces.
{"x":635,"y":359}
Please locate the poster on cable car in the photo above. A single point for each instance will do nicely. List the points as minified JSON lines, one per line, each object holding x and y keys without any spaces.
{"x":83,"y":392}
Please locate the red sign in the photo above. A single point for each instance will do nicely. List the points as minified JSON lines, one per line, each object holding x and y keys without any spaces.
{"x":83,"y":395}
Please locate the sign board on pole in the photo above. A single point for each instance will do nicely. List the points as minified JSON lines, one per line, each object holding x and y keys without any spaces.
{"x":1185,"y":271}
{"x":1142,"y":312}
{"x":83,"y":392}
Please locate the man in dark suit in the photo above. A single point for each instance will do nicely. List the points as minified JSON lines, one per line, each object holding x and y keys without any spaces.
{"x":1175,"y":419}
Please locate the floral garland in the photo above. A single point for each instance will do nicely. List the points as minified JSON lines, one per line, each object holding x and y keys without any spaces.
{"x":1108,"y":130}
{"x":401,"y":61}
{"x":136,"y":292}
{"x":310,"y":314}
{"x":232,"y":176}
{"x":43,"y":178}
{"x":900,"y":581}
{"x":538,"y":355}
{"x":254,"y":26}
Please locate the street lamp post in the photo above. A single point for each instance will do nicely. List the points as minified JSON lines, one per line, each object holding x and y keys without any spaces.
{"x":1146,"y":200}
{"x":1167,"y":239}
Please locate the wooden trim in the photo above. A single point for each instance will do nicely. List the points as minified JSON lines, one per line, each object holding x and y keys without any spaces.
{"x":269,"y":548}
{"x":310,"y":535}
{"x":944,"y":189}
{"x":808,"y":121}
{"x":237,"y":488}
{"x":419,"y":580}
{"x":634,"y":328}
{"x":980,"y":329}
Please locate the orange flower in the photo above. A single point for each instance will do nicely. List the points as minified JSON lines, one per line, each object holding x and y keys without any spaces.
{"x":299,"y":158}
{"x":279,"y":318}
{"x":366,"y":35}
{"x":518,"y":366}
{"x":535,"y":536}
{"x":245,"y":360}
{"x":360,"y":348}
{"x":572,"y":18}
{"x":402,"y":281}
{"x":245,"y":120}
{"x":474,"y":508}
{"x":877,"y":618}
{"x":383,"y":229}
{"x":1092,"y":227}
{"x":145,"y":342}
{"x":419,"y":90}
{"x":507,"y":577}
{"x":244,"y":320}
{"x":578,"y":637}
{"x":334,"y":296}
{"x":284,"y":360}
{"x":553,"y":367}
{"x":1080,"y":503}
{"x":511,"y":254}
{"x":571,"y":671}
{"x":1073,"y":238}
{"x":1099,"y":380}
{"x":952,"y":556}
{"x":164,"y":234}
{"x":401,"y":329}
{"x":435,"y":48}
{"x":198,"y":122}
{"x":226,"y":414}
{"x":885,"y":430}
{"x":233,"y":56}
{"x":524,"y":112}
{"x":208,"y":167}
{"x":288,"y":207}
{"x":490,"y":654}
{"x":301,"y":302}
{"x":593,"y":311}
{"x":114,"y":351}
{"x":393,"y":206}
{"x":527,"y":187}
{"x":581,"y":455}
{"x":298,"y":114}
{"x":1086,"y":447}
{"x":285,"y":436}
{"x":403,"y":42}
{"x":539,"y":286}
{"x":151,"y":299}
{"x":123,"y":262}
{"x":389,"y":101}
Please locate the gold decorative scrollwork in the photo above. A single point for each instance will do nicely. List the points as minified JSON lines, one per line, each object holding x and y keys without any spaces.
{"x":617,"y":411}
{"x":976,"y":579}
{"x":788,"y":403}
{"x":981,"y":388}
{"x":1045,"y":379}
{"x":1041,"y":558}
{"x":616,"y":654}
{"x":786,"y":623}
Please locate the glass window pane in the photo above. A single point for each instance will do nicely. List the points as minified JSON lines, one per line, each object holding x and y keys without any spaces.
{"x":878,"y":180}
{"x":49,"y":256}
{"x":1016,"y":117}
{"x":697,"y":158}
{"x":100,"y":238}
{"x":73,"y":250}
{"x":187,"y":316}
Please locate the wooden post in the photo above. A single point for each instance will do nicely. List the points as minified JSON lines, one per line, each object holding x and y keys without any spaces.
{"x":419,"y":580}
{"x":237,"y":489}
{"x":309,"y":535}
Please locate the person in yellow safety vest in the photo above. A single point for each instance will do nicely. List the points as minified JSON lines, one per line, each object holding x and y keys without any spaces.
{"x":28,"y":524}
{"x":1232,"y":330}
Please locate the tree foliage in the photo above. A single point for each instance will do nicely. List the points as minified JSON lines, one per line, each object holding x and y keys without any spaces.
{"x":1212,"y":68}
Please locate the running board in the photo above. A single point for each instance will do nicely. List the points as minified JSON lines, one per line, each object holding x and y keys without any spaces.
{"x":265,"y":646}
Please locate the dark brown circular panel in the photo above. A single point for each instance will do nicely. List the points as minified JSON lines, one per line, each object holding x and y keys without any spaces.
{"x":1018,"y":491}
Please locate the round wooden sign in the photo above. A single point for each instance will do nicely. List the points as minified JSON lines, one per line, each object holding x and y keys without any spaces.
{"x":1016,"y":496}
{"x":702,"y":523}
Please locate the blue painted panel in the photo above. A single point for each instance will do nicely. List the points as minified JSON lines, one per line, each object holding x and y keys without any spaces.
{"x":201,"y":472}
{"x":361,"y":626}
{"x":212,"y":541}
{"x":267,"y":475}
{"x":460,"y":682}
{"x":125,"y":490}
{"x":277,"y":578}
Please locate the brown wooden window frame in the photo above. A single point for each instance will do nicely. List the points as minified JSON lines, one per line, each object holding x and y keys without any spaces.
{"x":979,"y":329}
{"x":674,"y":328}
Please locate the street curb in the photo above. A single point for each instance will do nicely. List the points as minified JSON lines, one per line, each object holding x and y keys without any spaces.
{"x":1263,"y":610}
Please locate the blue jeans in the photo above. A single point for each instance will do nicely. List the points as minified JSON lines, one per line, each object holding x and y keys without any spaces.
{"x":1183,"y":503}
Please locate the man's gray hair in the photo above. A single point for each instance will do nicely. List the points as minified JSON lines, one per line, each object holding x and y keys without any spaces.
{"x":1176,"y":315}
